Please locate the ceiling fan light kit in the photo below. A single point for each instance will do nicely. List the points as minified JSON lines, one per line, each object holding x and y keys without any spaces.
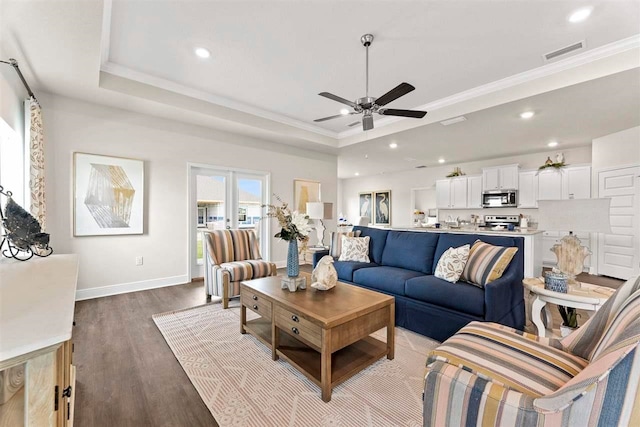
{"x":368,"y":105}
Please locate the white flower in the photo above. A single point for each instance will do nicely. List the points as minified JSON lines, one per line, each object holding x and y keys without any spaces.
{"x":301,"y":222}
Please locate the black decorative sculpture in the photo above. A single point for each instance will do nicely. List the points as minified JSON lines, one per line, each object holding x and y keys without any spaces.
{"x":22,"y":233}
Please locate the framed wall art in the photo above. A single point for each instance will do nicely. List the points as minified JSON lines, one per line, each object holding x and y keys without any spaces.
{"x":304,"y":191}
{"x":108,"y":196}
{"x":382,"y":207}
{"x":365,"y":205}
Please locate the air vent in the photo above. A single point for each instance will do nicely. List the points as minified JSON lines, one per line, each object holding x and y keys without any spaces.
{"x":565,"y":50}
{"x":453,"y":120}
{"x":420,"y":167}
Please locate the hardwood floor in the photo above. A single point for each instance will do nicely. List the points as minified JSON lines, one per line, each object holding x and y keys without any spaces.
{"x":127,"y":375}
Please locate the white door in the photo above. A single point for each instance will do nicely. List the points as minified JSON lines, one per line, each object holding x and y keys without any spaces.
{"x":224,"y":199}
{"x":619,"y":252}
{"x":528,"y":190}
{"x":577,"y":183}
{"x":490,"y":179}
{"x":550,"y":185}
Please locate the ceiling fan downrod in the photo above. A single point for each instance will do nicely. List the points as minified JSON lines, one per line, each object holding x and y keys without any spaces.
{"x":366,"y":42}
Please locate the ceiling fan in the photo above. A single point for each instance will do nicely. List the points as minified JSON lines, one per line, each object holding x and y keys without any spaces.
{"x":369,"y":105}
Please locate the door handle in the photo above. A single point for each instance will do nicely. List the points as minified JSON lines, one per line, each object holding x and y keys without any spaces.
{"x":255,"y":307}
{"x":295,"y":318}
{"x":295,"y":330}
{"x":255,"y":298}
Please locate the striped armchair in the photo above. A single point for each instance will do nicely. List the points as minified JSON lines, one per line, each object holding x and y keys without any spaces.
{"x":232,"y":256}
{"x":491,"y":375}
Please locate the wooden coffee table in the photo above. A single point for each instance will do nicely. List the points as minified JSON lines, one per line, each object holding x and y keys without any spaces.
{"x":323,"y":334}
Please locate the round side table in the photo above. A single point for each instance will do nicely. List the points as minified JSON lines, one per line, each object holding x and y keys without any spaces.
{"x":588,"y":297}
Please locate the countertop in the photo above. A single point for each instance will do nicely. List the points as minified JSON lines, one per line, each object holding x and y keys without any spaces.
{"x":482,"y":230}
{"x":37,"y":300}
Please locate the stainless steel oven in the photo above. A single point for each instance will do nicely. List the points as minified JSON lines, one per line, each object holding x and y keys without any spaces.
{"x":500,"y":199}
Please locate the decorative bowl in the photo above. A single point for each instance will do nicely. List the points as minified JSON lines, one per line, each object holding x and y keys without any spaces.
{"x":556,"y":281}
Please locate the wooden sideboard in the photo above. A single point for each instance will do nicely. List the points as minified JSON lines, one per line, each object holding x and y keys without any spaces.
{"x":37,"y":376}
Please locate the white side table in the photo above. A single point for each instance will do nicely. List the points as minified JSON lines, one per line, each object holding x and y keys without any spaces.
{"x":588,"y":297}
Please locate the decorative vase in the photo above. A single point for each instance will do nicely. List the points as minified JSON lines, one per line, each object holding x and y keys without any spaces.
{"x":293,"y":262}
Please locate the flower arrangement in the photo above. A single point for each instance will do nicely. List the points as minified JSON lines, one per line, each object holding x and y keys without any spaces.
{"x":456,"y":172}
{"x":294,"y":225}
{"x":558,"y":164}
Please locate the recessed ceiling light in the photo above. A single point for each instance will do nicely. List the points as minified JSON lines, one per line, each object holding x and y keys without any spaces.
{"x":357,"y":173}
{"x":440,"y":160}
{"x":553,"y":144}
{"x":527,"y":115}
{"x":344,"y":111}
{"x":580,"y":14}
{"x":202,"y":52}
{"x":393,"y":145}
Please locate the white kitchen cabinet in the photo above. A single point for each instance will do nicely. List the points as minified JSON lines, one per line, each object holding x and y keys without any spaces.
{"x":528,"y":189}
{"x":443,"y":194}
{"x":451,"y":193}
{"x":576,"y":182}
{"x":474,"y":192}
{"x":500,"y":178}
{"x":550,"y":185}
{"x":459,"y":192}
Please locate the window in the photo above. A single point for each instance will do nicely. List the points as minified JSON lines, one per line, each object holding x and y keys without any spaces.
{"x":12,"y":164}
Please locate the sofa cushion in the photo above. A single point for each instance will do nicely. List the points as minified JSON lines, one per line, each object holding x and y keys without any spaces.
{"x":355,"y":249}
{"x":452,"y":240}
{"x":410,"y":250}
{"x":509,"y":358}
{"x":345,"y":269}
{"x":246,"y":270}
{"x":451,"y":264}
{"x":377,"y":242}
{"x":460,"y":296}
{"x":487,"y":263}
{"x":386,"y":279}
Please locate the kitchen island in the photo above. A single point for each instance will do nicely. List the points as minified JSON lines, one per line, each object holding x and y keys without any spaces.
{"x":532,"y":242}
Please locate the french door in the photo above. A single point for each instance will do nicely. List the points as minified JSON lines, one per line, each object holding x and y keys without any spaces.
{"x":225,"y":199}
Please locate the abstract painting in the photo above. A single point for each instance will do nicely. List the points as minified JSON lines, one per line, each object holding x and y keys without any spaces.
{"x":304,"y":191}
{"x":365,"y":205}
{"x":108,"y":195}
{"x":382,"y":214}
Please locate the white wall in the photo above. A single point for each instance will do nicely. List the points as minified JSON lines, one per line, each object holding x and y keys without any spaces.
{"x":401,"y":183}
{"x":166,"y":147}
{"x":617,"y":149}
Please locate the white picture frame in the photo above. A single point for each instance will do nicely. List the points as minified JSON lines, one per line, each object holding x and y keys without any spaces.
{"x":108,"y":195}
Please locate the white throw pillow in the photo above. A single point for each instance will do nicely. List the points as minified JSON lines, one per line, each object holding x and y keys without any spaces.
{"x":451,"y":263}
{"x":355,"y":249}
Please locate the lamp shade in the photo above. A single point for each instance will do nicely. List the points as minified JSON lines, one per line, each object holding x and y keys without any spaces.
{"x":588,"y":215}
{"x":319,"y":210}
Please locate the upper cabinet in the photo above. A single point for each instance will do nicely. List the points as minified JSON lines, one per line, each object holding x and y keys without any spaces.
{"x":572,"y":182}
{"x":451,"y":193}
{"x":577,"y":183}
{"x":474,"y":192}
{"x":500,"y":178}
{"x":528,"y":189}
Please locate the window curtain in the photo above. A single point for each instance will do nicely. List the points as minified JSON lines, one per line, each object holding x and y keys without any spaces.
{"x":36,"y":160}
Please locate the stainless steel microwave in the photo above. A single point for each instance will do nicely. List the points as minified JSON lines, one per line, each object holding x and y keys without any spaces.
{"x":500,"y":199}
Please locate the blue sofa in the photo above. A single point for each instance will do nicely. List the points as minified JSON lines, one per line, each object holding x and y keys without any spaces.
{"x":402,"y":265}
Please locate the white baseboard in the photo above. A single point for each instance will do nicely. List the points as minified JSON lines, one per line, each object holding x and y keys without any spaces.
{"x":281,"y":264}
{"x":123,"y":288}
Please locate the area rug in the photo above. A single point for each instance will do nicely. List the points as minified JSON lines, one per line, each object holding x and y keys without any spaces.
{"x":242,"y":386}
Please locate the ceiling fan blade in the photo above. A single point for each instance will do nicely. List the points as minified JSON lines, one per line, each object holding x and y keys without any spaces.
{"x":337,"y":98}
{"x":367,"y":122}
{"x":353,"y":124}
{"x":402,"y":113}
{"x":395,"y":93}
{"x":324,"y":119}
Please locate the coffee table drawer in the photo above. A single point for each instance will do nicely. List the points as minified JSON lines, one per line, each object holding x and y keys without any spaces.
{"x":298,"y":326}
{"x":257,"y":303}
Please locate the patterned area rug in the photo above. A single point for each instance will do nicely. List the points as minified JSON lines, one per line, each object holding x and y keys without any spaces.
{"x":242,"y":386}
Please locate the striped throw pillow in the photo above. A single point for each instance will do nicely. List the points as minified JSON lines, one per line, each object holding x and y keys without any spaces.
{"x":335,"y":247}
{"x":486,"y":263}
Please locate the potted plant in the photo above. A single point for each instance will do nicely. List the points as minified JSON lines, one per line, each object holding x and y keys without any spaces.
{"x":569,"y":320}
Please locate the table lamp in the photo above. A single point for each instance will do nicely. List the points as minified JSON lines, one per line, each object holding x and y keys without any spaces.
{"x":588,"y":215}
{"x":320,"y":211}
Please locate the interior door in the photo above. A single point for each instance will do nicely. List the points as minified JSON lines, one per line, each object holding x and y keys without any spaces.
{"x":619,"y":252}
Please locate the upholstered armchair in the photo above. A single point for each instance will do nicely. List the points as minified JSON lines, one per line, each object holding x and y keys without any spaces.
{"x":232,"y":256}
{"x":491,"y":375}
